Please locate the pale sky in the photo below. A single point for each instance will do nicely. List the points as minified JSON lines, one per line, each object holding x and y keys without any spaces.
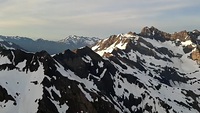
{"x":56,"y":19}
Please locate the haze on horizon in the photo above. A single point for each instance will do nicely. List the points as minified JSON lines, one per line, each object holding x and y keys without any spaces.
{"x":56,"y":19}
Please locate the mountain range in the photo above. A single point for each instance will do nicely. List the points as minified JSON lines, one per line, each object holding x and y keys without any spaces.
{"x":52,"y":47}
{"x":147,"y":72}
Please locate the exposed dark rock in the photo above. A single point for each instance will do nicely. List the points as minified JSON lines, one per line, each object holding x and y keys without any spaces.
{"x":154,"y":33}
{"x":4,"y":95}
{"x":170,"y":74}
{"x":121,"y":81}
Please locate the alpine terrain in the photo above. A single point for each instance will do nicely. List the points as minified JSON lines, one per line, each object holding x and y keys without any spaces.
{"x":147,"y":72}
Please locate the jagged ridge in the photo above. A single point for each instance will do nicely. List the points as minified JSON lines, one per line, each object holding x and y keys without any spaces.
{"x":136,"y":74}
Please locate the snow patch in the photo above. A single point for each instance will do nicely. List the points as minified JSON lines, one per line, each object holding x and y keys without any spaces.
{"x":186,"y":43}
{"x":100,"y":64}
{"x":103,"y":73}
{"x":90,"y":85}
{"x":61,"y":108}
{"x":87,"y":95}
{"x":20,"y":86}
{"x":4,"y":60}
{"x":127,"y":35}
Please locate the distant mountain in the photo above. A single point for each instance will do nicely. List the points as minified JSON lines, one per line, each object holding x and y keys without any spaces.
{"x":52,"y":47}
{"x":80,"y":41}
{"x":149,"y":72}
{"x":9,"y":45}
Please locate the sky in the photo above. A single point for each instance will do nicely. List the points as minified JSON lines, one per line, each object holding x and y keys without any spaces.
{"x":57,"y":19}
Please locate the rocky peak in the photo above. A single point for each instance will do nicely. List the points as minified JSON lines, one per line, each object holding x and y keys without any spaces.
{"x":115,"y":41}
{"x":196,"y":31}
{"x":182,"y":36}
{"x":154,"y":33}
{"x":145,"y":43}
{"x":80,"y":40}
{"x":86,"y":51}
{"x":131,"y":33}
{"x":146,"y":31}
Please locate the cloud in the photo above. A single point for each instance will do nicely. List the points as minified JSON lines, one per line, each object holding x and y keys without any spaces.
{"x":97,"y":17}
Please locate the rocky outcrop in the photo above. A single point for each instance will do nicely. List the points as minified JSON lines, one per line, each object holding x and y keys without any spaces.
{"x":177,"y":37}
{"x":154,"y":33}
{"x":157,"y":34}
{"x":195,"y":55}
{"x":4,"y":96}
{"x":182,"y":36}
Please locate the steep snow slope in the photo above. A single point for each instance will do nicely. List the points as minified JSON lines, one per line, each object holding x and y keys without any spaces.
{"x":168,"y":74}
{"x":132,"y":73}
{"x":33,"y":83}
{"x":20,"y":86}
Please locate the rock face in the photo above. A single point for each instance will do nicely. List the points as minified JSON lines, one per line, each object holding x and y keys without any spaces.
{"x":189,"y":40}
{"x":155,"y":33}
{"x":126,"y":73}
{"x":196,"y":56}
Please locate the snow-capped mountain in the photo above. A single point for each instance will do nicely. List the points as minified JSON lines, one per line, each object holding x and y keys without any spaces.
{"x":52,"y":47}
{"x":75,"y":40}
{"x":149,"y":72}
